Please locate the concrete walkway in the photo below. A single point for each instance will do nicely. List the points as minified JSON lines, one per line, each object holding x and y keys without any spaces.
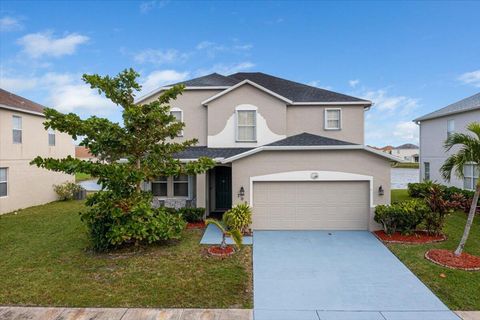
{"x":41,"y":313}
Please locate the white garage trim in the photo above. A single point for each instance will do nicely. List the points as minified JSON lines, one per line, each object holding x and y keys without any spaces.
{"x":313,"y":175}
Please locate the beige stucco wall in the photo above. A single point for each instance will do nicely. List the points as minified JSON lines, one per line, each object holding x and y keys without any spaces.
{"x":350,"y":161}
{"x":194,"y":113}
{"x":29,"y":185}
{"x":269,"y":108}
{"x":311,"y":119}
{"x":433,"y":134}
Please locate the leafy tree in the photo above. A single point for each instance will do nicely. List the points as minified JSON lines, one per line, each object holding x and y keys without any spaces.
{"x":138,"y":150}
{"x":468,"y":153}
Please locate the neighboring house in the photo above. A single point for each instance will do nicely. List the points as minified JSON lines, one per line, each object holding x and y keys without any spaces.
{"x":408,"y":152}
{"x":434,"y":130}
{"x":22,"y":138}
{"x":293,"y":152}
{"x":83,"y":153}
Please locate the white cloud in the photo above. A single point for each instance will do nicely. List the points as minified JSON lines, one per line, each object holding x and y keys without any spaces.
{"x":385,"y":102}
{"x":9,"y":24}
{"x":40,"y":44}
{"x":65,"y":92}
{"x":226,"y":69}
{"x":353,"y":83}
{"x":472,"y":78}
{"x":159,"y":78}
{"x":406,"y":131}
{"x":213,"y":48}
{"x":147,"y":6}
{"x":159,"y":57}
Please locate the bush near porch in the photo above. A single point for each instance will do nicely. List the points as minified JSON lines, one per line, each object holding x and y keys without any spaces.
{"x":45,"y":262}
{"x":458,"y":289}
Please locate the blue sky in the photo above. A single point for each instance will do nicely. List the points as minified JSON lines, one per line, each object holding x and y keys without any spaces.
{"x":410,"y":58}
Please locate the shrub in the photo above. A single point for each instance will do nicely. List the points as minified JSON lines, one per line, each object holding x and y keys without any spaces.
{"x":439,"y":208}
{"x":420,"y":189}
{"x":239,"y":217}
{"x":192,"y":214}
{"x":113,"y":221}
{"x":404,"y":217}
{"x":67,"y":190}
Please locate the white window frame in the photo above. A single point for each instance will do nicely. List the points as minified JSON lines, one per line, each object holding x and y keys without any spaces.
{"x":51,"y":132}
{"x":5,"y":181}
{"x":237,"y":118}
{"x":17,"y":129}
{"x":159,"y":182}
{"x":470,"y":175}
{"x":425,"y":165}
{"x":181,"y":118}
{"x":450,"y":130}
{"x":325,"y":116}
{"x":189,"y":185}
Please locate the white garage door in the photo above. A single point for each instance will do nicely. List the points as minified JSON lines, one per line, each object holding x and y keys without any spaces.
{"x":332,"y":205}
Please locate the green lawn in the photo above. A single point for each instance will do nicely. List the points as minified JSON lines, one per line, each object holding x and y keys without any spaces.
{"x":459,"y":290}
{"x":82,"y":177}
{"x":44,"y":261}
{"x":406,"y":165}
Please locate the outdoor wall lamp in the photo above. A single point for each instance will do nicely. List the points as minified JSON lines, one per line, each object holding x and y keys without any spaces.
{"x":241,"y":193}
{"x":381,"y":191}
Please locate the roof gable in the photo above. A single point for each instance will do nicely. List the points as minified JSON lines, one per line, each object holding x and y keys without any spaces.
{"x":294,"y":91}
{"x":242,"y":83}
{"x":308,"y":139}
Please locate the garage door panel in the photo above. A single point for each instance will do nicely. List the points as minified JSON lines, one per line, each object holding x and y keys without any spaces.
{"x":341,"y":205}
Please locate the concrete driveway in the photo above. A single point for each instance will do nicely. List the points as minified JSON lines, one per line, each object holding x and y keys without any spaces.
{"x":337,"y":275}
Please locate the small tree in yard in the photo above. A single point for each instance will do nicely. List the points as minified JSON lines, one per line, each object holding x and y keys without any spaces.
{"x":468,"y":153}
{"x":122,"y":213}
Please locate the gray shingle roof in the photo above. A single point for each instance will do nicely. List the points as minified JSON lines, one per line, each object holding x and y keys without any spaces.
{"x":308,"y":139}
{"x":407,"y":146}
{"x":9,"y":99}
{"x":210,"y":80}
{"x":297,"y":92}
{"x":467,"y":104}
{"x":197,"y":152}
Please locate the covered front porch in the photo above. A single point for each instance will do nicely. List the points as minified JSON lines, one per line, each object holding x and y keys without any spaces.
{"x":211,"y":190}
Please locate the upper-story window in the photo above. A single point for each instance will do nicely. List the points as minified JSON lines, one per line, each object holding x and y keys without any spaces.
{"x":178,"y":114}
{"x":470,"y":176}
{"x":3,"y":182}
{"x":333,"y":119}
{"x":17,"y":129}
{"x":246,"y":125}
{"x":51,"y":137}
{"x":450,"y":127}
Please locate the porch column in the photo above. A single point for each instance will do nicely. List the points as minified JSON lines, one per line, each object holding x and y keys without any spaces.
{"x":201,"y":190}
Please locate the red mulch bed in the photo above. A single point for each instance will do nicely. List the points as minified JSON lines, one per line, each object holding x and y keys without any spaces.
{"x":219,"y":252}
{"x":419,"y":237}
{"x":447,"y":258}
{"x":196,"y":225}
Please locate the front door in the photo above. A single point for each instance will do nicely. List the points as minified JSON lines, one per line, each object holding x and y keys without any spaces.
{"x":223,"y":188}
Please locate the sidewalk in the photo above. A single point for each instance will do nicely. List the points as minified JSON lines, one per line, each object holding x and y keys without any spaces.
{"x":40,"y":313}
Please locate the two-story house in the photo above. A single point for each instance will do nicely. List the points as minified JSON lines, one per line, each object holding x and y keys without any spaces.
{"x":293,"y":152}
{"x":22,"y":138}
{"x":408,"y":152}
{"x":435,"y":127}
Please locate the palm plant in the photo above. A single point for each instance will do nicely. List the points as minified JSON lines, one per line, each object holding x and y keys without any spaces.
{"x":468,"y":153}
{"x":235,"y":234}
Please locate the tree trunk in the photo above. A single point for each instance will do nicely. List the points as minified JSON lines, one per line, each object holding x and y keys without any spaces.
{"x":471,"y":215}
{"x":223,"y":245}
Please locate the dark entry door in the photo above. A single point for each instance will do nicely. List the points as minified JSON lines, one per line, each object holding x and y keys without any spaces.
{"x":223,"y":188}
